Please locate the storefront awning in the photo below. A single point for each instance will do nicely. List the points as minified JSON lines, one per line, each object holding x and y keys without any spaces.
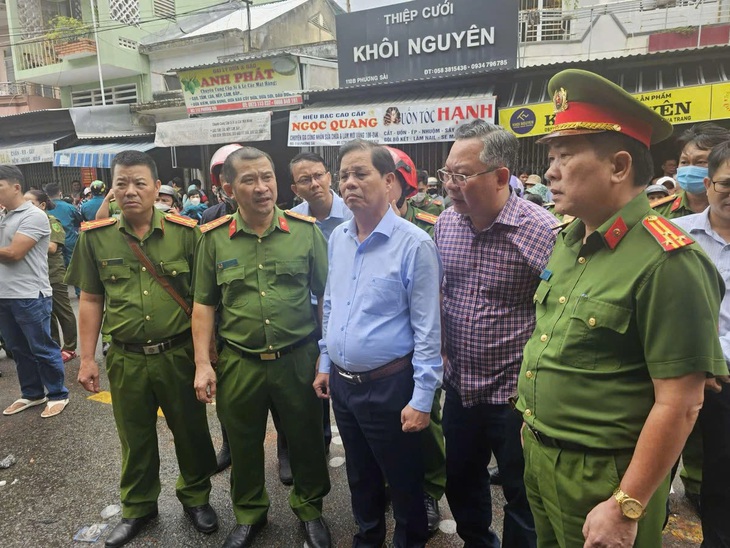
{"x":214,"y":130}
{"x":398,"y":120}
{"x":29,"y":150}
{"x":97,"y":155}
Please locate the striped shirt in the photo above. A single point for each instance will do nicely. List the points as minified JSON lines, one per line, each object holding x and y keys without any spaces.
{"x":489,"y":280}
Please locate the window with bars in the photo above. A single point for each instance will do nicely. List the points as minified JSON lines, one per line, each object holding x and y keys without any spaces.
{"x":543,"y":20}
{"x":164,"y":8}
{"x":115,"y":95}
{"x":124,"y":11}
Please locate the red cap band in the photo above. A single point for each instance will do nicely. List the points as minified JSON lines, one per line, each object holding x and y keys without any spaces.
{"x":583,"y":115}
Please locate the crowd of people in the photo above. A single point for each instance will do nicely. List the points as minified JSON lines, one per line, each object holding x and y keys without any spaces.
{"x":533,"y":309}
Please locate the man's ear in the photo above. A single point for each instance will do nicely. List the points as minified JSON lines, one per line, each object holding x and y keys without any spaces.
{"x":707,"y":182}
{"x":227,"y":188}
{"x":503,"y":176}
{"x":294,"y":190}
{"x":622,"y":166}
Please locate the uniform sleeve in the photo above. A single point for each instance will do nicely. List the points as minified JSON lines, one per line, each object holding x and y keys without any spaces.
{"x":692,"y":312}
{"x":83,"y":271}
{"x":318,"y":267}
{"x":205,"y":283}
{"x":58,"y":234}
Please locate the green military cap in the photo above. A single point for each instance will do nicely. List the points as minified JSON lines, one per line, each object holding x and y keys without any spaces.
{"x":588,"y":103}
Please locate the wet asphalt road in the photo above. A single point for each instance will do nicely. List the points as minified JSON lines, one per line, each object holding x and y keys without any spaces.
{"x":67,"y":472}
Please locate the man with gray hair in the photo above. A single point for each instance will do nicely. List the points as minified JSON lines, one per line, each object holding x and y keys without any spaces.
{"x":494,"y":247}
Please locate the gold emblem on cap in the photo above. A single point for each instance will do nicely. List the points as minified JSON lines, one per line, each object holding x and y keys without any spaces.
{"x":560,"y":100}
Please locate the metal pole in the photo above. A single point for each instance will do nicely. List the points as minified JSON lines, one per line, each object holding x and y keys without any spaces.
{"x":248,"y":16}
{"x":98,"y":55}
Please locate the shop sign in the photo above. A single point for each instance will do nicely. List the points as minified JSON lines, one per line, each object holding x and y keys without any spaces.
{"x":264,"y":83}
{"x":395,"y":123}
{"x":426,"y":39}
{"x":678,"y":106}
{"x":27,"y":154}
{"x":88,"y":175}
{"x":236,"y":128}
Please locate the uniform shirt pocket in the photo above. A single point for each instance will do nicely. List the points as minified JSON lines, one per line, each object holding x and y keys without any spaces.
{"x":384,"y":297}
{"x":231,"y":280}
{"x":594,"y":338}
{"x":115,"y":278}
{"x":291,"y":279}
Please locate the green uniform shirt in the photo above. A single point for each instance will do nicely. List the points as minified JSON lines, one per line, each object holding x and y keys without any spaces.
{"x":262,"y":283}
{"x":679,"y":207}
{"x":138,"y":310}
{"x":605,"y":328}
{"x":410,"y":216}
{"x":56,"y":268}
{"x":435,"y":206}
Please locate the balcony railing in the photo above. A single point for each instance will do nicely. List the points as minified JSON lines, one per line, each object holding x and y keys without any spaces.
{"x":38,"y":52}
{"x":28,"y":88}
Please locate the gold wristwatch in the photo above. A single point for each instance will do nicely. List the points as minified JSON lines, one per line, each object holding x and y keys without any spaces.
{"x":631,"y":508}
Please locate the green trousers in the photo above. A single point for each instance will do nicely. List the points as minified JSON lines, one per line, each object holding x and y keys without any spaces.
{"x":139,"y":385}
{"x":434,"y":454}
{"x":691,"y":473}
{"x":564,"y":486}
{"x":63,"y":314}
{"x":247,"y":388}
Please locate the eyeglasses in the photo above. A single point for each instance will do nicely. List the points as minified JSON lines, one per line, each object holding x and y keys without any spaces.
{"x":307,"y":181}
{"x":459,"y":178}
{"x":722,"y":187}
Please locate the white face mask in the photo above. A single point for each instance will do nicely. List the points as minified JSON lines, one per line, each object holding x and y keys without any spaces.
{"x":194,"y":200}
{"x":419,"y":197}
{"x":162,"y":206}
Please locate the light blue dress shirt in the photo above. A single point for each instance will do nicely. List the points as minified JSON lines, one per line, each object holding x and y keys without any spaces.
{"x":699,"y":228}
{"x":382,"y":302}
{"x":339,"y":213}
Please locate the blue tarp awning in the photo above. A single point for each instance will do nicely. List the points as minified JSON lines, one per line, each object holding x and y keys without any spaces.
{"x":97,"y":154}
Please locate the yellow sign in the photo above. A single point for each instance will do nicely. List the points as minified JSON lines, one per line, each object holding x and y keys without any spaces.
{"x":106,"y":397}
{"x":678,"y":106}
{"x":263,"y":83}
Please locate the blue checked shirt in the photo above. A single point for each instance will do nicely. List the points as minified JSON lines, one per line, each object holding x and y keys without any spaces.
{"x":382,"y":302}
{"x":489,"y":280}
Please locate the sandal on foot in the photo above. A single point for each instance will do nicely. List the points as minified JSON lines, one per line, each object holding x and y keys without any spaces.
{"x":68,"y":355}
{"x":22,"y":404}
{"x":54,"y":408}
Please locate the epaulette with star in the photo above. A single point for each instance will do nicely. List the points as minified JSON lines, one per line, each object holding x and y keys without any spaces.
{"x":665,"y":233}
{"x":180,"y":220}
{"x":91,"y":225}
{"x":215,"y":223}
{"x":665,"y":200}
{"x":427,"y":217}
{"x":300,"y":216}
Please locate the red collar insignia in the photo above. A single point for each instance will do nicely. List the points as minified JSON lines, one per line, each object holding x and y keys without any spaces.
{"x":615,"y":233}
{"x":283,"y":224}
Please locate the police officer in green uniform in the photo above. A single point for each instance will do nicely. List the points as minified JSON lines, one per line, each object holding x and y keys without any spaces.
{"x":607,"y":406}
{"x":696,"y":144}
{"x":422,"y":200}
{"x":434,"y":450}
{"x":259,"y":265}
{"x":150,"y":362}
{"x":62,"y":312}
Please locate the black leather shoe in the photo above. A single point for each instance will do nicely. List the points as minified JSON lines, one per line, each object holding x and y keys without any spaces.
{"x":127,"y":529}
{"x":433,"y":514}
{"x":282,"y":452}
{"x":243,"y":535}
{"x":494,"y":477}
{"x":318,"y":534}
{"x":203,"y":517}
{"x":223,"y":459}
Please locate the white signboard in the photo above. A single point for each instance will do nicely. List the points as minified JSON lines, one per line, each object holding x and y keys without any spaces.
{"x":236,"y":128}
{"x":392,"y":123}
{"x":27,"y":154}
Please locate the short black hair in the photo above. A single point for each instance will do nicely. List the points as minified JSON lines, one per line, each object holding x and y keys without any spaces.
{"x":379,"y":155}
{"x":704,"y":136}
{"x":422,"y":175}
{"x":193,"y":192}
{"x":229,"y":171}
{"x":11,"y":174}
{"x":129,"y":158}
{"x":610,"y":142}
{"x":534,"y":198}
{"x":307,"y":157}
{"x":719,"y":156}
{"x":52,"y":189}
{"x":525,"y":170}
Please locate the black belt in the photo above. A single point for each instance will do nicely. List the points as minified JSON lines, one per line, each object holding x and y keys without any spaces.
{"x":390,"y":368}
{"x":157,"y":348}
{"x":547,"y":441}
{"x":268,"y":356}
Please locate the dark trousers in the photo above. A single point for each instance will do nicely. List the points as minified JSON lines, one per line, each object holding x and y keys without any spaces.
{"x":368,"y":417}
{"x":472,"y":435}
{"x":715,"y":492}
{"x":63,"y":314}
